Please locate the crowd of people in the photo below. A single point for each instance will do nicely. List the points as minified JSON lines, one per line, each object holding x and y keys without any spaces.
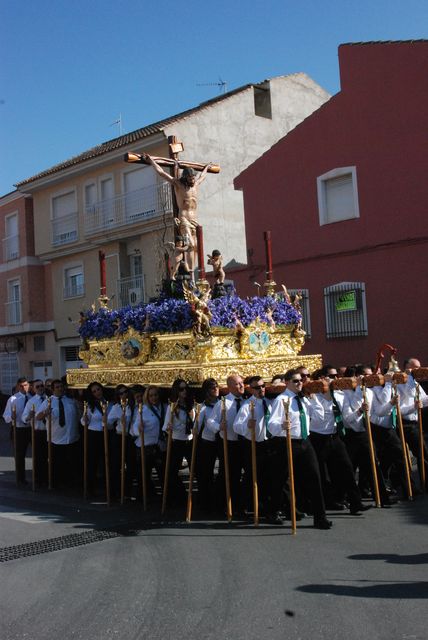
{"x":331,"y":431}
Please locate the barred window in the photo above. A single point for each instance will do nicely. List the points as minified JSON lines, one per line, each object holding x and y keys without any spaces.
{"x":345,"y":310}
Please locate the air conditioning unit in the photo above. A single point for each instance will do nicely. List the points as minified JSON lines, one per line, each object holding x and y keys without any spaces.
{"x":135,"y":295}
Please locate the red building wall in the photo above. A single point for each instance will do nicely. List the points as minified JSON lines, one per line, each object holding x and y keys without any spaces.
{"x":379,"y":124}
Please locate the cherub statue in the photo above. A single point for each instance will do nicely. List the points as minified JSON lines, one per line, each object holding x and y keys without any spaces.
{"x":216,"y":261}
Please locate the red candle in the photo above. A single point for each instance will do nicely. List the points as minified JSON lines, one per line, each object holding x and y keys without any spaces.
{"x":200,"y":248}
{"x":268,"y":247}
{"x":102,"y":259}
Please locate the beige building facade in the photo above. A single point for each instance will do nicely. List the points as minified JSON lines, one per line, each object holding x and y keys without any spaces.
{"x":96,"y":201}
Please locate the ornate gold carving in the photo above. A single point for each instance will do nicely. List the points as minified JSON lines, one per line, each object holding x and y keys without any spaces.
{"x":160,"y":358}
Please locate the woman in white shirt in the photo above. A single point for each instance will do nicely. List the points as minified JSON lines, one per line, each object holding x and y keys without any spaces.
{"x":95,"y":396}
{"x":180,"y":422}
{"x":207,"y":451}
{"x":151,"y":423}
{"x":114,"y":421}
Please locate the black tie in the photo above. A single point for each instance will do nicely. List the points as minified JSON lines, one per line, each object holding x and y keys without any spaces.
{"x":238,"y":404}
{"x":25,"y":401}
{"x":61,"y":413}
{"x":266,"y":414}
{"x":340,"y":427}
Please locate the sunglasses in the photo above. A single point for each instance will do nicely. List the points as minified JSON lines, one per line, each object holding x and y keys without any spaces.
{"x":296,"y":380}
{"x":182,"y":388}
{"x":332,"y":375}
{"x":259,"y":386}
{"x":305,"y":375}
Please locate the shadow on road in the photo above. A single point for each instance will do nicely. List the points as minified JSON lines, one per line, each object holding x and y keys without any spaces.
{"x":403,"y":590}
{"x":393,"y":558}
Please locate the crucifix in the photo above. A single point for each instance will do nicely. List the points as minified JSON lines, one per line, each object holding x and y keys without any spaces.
{"x":186,"y":195}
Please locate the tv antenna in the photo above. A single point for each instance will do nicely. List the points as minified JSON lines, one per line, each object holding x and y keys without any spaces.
{"x":221,"y":84}
{"x":118,"y":121}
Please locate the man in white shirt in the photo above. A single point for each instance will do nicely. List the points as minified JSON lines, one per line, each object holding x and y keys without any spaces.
{"x":305,"y":464}
{"x":244,"y":425}
{"x":215,"y":423}
{"x":326,"y":438}
{"x":41,"y":447}
{"x":18,"y":402}
{"x":355,"y":407}
{"x":65,"y":435}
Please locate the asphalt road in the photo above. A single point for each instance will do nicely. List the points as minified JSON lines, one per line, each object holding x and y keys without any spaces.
{"x":100,"y":573}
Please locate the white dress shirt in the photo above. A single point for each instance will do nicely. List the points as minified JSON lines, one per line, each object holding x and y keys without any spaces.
{"x":69,"y":433}
{"x":326,"y":424}
{"x":352,"y":417}
{"x":18,"y":400}
{"x":114,"y":417}
{"x":178,"y":424}
{"x":407,"y":394}
{"x":240,"y":425}
{"x":204,"y":415}
{"x":213,"y":422}
{"x":276,"y":422}
{"x":95,"y":418}
{"x":36,"y":402}
{"x":151,"y":426}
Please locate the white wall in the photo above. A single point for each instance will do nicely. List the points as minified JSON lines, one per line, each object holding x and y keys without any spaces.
{"x":230,"y":134}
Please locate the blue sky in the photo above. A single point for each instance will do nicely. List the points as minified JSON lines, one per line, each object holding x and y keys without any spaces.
{"x":69,"y":68}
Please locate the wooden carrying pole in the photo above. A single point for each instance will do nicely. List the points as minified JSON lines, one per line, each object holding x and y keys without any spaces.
{"x":143,"y":456}
{"x":50,"y":452}
{"x":106,"y":452}
{"x":123,"y":405}
{"x":223,"y":427}
{"x":286,"y":406}
{"x":85,"y":450}
{"x":371,"y":448}
{"x":403,"y":443}
{"x":195,"y":432}
{"x":421,"y":460}
{"x":172,"y":407}
{"x":254,"y":467}
{"x":33,"y":445}
{"x":14,"y":440}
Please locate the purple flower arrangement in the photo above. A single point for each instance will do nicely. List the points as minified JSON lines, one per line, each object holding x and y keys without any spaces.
{"x":171,"y":315}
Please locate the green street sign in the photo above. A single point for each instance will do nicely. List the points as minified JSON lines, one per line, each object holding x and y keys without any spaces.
{"x":347,"y":301}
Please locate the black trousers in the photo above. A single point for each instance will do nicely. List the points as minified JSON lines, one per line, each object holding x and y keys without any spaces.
{"x":306,"y":474}
{"x":176,"y":490}
{"x":331,"y":452}
{"x":236,"y":465}
{"x":153,"y":459}
{"x":65,"y":465}
{"x":411,"y":434}
{"x":206,"y":455}
{"x":390,"y":452}
{"x":96,"y":460}
{"x":357,"y":445}
{"x":23,"y":440}
{"x":116,"y":462}
{"x":261,"y":466}
{"x":41,"y":457}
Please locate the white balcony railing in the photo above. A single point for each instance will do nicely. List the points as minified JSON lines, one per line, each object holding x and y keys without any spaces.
{"x":10,"y":248}
{"x":14,"y":312}
{"x":74,"y":291}
{"x":65,"y":229}
{"x":130,"y":290}
{"x":129,"y":208}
